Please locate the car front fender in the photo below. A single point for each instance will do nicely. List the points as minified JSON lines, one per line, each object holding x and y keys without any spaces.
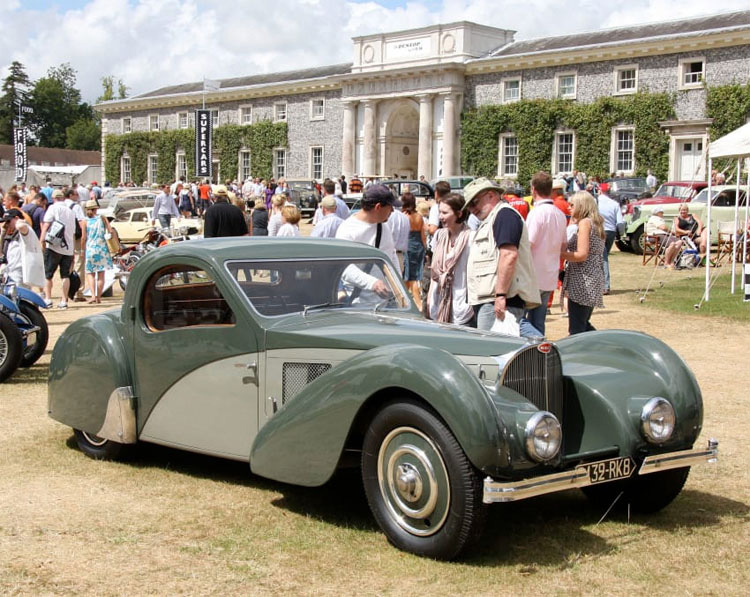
{"x":89,"y":364}
{"x":303,"y":442}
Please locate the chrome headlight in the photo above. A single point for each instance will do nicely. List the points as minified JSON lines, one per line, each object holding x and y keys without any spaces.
{"x":11,"y":291}
{"x":657,"y":420}
{"x":543,"y":436}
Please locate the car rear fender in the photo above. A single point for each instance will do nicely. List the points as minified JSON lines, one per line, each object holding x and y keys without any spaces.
{"x":303,"y":442}
{"x":89,"y":375}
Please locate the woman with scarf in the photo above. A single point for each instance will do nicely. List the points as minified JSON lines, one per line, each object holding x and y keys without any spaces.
{"x":447,"y":298}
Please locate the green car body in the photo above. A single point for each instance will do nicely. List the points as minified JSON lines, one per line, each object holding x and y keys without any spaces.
{"x":300,"y":393}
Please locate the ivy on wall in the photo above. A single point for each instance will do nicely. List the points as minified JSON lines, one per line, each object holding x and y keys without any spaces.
{"x":534,"y":123}
{"x":260,"y":138}
{"x":729,"y":106}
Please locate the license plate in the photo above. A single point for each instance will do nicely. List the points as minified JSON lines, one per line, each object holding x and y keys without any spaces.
{"x":608,"y":470}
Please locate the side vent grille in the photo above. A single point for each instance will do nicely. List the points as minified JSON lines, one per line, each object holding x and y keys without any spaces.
{"x":536,"y":374}
{"x":296,"y":376}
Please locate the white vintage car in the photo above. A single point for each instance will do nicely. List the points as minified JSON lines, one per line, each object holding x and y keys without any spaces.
{"x":132,"y":225}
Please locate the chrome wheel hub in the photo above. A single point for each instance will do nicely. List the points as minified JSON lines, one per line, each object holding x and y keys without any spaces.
{"x":413,"y":481}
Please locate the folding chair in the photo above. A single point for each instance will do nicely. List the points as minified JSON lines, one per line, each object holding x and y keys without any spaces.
{"x":725,"y":244}
{"x":653,"y":249}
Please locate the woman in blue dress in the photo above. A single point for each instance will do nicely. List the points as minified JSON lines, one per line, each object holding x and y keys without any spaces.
{"x":415,"y":252}
{"x":94,"y":235}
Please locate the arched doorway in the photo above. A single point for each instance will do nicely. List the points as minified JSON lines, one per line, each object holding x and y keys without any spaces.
{"x":402,"y":141}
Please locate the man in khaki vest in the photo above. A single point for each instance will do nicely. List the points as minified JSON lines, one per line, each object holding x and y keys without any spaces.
{"x":501,"y":276}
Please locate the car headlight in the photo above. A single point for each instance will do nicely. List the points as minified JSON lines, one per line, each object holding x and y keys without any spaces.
{"x":657,"y":420}
{"x":543,"y":436}
{"x":11,"y":290}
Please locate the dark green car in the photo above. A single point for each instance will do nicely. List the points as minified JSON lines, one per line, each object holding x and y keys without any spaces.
{"x":300,"y":356}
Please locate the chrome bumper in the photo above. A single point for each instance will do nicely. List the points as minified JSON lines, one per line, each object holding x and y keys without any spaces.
{"x":495,"y":491}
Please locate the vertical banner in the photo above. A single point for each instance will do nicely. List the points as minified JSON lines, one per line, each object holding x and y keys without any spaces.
{"x":19,"y":151}
{"x":747,"y":282}
{"x":203,"y":143}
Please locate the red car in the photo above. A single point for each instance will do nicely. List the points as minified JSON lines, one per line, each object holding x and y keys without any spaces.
{"x":671,"y":192}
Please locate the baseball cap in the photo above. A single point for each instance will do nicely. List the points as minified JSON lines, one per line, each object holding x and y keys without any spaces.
{"x":57,"y":194}
{"x":10,"y":214}
{"x":658,"y":209}
{"x":604,"y":187}
{"x":379,"y":193}
{"x":476,"y":186}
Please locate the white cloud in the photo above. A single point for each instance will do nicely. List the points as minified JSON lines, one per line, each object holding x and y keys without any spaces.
{"x":154,"y":43}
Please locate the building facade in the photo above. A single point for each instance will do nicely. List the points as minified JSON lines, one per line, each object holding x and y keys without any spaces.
{"x":396,"y":109}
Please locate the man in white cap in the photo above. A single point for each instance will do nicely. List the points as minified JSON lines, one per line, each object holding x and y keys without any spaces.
{"x":58,"y":246}
{"x":501,"y":276}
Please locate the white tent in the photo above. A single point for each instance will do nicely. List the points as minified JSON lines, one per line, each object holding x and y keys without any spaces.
{"x":732,"y":145}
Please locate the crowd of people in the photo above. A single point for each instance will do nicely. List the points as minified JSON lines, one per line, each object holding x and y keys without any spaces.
{"x":489,"y":258}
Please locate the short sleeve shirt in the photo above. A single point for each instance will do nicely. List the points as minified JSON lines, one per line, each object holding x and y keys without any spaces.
{"x":507,"y":229}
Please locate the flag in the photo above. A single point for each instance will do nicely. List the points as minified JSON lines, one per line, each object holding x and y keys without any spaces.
{"x":211,"y":84}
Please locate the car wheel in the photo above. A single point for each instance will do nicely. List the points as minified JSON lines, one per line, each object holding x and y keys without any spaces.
{"x":623,"y":246}
{"x":644,"y":493}
{"x":11,"y":347}
{"x":33,"y":351}
{"x":97,"y":447}
{"x":636,"y":241}
{"x":423,"y":491}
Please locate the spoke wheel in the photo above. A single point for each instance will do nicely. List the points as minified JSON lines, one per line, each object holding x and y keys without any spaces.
{"x":423,"y":491}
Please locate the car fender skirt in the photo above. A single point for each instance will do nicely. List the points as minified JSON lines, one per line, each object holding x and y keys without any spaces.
{"x":119,"y":420}
{"x":302,"y":443}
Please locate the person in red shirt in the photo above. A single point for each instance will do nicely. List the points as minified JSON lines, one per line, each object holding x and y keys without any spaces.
{"x":204,"y":193}
{"x":559,"y":199}
{"x":518,"y":204}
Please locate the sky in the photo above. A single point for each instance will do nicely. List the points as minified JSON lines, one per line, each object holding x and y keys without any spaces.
{"x":150,"y":44}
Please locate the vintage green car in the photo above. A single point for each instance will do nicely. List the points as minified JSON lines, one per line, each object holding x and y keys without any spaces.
{"x":300,"y":356}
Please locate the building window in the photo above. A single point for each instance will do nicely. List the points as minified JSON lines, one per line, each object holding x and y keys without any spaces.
{"x":626,"y":79}
{"x":181,"y":166}
{"x":692,"y":72}
{"x":511,"y":90}
{"x":244,"y":164}
{"x":153,"y":168}
{"x":153,"y":122}
{"x":246,"y":114}
{"x":564,"y":157}
{"x":214,"y":118}
{"x":508,"y":159}
{"x":317,"y":109}
{"x":127,"y":124}
{"x":316,"y":162}
{"x":279,"y":163}
{"x":182,"y":120}
{"x":279,"y":112}
{"x":566,"y":85}
{"x":623,"y":151}
{"x":125,"y":169}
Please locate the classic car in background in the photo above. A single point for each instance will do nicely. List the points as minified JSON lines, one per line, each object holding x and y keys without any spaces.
{"x":637,"y":212}
{"x":301,"y":356}
{"x":304,"y":194}
{"x":457,"y":183}
{"x":114,"y":203}
{"x":625,"y":190}
{"x":133,"y":224}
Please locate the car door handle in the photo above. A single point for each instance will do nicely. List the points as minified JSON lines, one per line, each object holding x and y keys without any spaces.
{"x":250,"y":367}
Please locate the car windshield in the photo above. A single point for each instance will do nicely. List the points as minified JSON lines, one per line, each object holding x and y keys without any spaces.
{"x":669,"y":190}
{"x":633,"y":184}
{"x":720,"y":198}
{"x":301,"y":186}
{"x":281,"y":287}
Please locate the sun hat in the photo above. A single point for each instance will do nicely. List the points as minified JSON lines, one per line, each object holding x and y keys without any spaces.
{"x":92,"y":204}
{"x":328,"y":202}
{"x":559,"y":183}
{"x":220,"y":191}
{"x":57,"y":194}
{"x":476,"y":186}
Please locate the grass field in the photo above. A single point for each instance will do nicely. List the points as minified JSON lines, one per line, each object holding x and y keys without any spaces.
{"x":170,"y":522}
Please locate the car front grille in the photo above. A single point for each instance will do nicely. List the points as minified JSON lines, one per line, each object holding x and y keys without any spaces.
{"x":535,"y":372}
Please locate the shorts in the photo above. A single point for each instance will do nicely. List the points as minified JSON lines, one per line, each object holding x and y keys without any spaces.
{"x":53,"y":259}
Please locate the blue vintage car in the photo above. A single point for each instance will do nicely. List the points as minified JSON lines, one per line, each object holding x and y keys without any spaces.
{"x":301,"y":356}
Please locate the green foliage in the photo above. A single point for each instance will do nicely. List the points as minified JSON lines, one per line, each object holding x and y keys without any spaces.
{"x":108,"y":89}
{"x":15,"y":89}
{"x":729,"y":106}
{"x":534,"y":123}
{"x":85,"y":133}
{"x":260,"y":138}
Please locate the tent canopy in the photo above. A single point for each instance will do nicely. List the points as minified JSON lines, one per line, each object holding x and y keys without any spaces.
{"x":732,"y":145}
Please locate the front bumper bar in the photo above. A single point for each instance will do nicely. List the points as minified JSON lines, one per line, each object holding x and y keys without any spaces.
{"x":495,"y":491}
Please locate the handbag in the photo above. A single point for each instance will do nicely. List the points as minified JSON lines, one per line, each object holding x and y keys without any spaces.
{"x":113,"y":242}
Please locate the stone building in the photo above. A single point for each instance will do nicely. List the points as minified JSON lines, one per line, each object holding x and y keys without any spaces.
{"x":396,"y":109}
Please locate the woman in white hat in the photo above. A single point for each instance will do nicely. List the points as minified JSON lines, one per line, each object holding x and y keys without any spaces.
{"x":94,"y":234}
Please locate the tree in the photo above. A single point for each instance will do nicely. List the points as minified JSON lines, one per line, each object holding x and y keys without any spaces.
{"x":84,"y":133}
{"x":15,"y":89}
{"x":57,"y":105}
{"x":108,"y":89}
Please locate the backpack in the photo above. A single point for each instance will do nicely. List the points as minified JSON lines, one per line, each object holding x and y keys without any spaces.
{"x":55,"y":236}
{"x":78,"y":233}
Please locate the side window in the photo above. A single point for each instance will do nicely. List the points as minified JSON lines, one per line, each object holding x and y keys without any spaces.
{"x":183,"y":296}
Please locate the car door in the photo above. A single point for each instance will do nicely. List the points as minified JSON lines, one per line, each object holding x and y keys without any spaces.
{"x":195,"y":354}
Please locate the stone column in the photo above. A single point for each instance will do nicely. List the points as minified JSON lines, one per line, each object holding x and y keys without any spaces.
{"x":449,"y":134}
{"x":369,"y":167}
{"x":424,"y":159}
{"x":349,"y":140}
